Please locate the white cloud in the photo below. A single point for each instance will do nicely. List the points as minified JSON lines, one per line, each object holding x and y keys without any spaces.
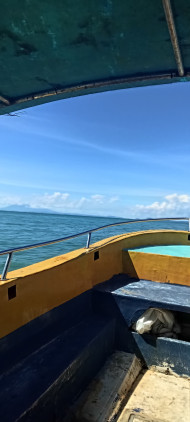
{"x":177,"y":198}
{"x":26,"y":126}
{"x":98,"y":198}
{"x":59,"y":201}
{"x":113,"y":199}
{"x":52,"y":201}
{"x":173,"y":205}
{"x":63,"y":202}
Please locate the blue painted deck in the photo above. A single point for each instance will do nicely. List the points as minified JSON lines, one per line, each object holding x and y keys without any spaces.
{"x":162,"y":294}
{"x":172,"y":250}
{"x":137,"y":296}
{"x":133,"y":296}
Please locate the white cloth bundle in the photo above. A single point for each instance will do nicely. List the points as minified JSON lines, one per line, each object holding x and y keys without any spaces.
{"x":159,"y":321}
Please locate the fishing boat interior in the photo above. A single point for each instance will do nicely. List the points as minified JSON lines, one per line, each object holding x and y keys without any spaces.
{"x":102,"y":333}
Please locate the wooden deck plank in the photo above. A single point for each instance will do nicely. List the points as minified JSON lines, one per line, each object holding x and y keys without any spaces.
{"x":158,"y":398}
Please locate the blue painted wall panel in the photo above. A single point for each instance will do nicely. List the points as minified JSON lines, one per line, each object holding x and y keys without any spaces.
{"x":164,"y":352}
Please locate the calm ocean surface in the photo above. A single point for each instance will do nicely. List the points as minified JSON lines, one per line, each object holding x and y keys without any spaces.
{"x":20,"y":229}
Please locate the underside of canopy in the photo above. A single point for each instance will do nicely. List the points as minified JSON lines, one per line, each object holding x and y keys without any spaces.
{"x":50,"y":50}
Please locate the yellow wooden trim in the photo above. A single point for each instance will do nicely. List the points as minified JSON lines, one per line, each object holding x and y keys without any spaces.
{"x":48,"y":284}
{"x":159,"y":268}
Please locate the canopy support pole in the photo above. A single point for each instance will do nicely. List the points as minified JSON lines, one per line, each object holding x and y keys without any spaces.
{"x":4,"y":100}
{"x":173,"y":35}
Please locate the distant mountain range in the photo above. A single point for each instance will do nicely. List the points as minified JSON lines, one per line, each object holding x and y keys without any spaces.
{"x":27,"y":208}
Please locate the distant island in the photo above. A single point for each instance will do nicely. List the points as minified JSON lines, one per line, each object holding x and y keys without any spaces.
{"x":27,"y":208}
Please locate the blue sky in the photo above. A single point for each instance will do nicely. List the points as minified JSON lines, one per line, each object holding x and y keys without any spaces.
{"x":124,"y":153}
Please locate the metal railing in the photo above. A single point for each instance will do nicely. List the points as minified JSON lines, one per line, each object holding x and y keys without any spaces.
{"x":10,"y":252}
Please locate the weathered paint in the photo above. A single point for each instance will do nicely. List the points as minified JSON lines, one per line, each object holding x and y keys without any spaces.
{"x":106,"y":394}
{"x":155,"y":267}
{"x":50,"y":52}
{"x":48,"y":284}
{"x":44,"y":286}
{"x":171,"y":354}
{"x":43,"y":385}
{"x":127,"y":299}
{"x":136,"y":297}
{"x":24,"y":341}
{"x":43,"y":382}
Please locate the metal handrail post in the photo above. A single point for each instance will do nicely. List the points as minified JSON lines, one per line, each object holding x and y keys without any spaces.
{"x":6,"y":267}
{"x":88,"y":240}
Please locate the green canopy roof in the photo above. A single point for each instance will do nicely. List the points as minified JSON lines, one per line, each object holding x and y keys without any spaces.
{"x":54,"y":49}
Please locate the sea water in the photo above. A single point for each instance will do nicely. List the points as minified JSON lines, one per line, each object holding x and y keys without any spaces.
{"x":25,"y":228}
